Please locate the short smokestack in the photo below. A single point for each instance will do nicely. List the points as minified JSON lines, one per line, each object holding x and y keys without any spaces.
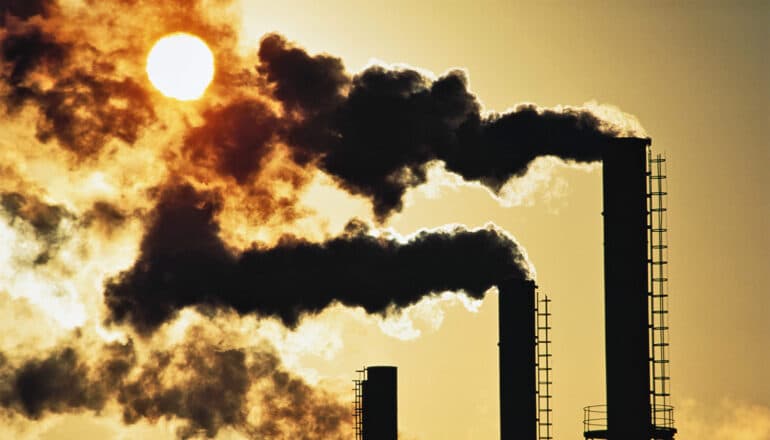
{"x":380,"y":403}
{"x":625,"y":290}
{"x":518,"y":399}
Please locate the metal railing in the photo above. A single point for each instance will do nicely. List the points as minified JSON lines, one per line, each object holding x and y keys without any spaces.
{"x":595,"y":417}
{"x":663,"y":416}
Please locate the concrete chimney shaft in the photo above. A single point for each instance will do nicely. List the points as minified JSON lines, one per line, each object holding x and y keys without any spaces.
{"x":518,"y":401}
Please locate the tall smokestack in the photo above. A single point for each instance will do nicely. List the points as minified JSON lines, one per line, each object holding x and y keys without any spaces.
{"x":518,"y":410}
{"x":380,"y":404}
{"x":625,"y":290}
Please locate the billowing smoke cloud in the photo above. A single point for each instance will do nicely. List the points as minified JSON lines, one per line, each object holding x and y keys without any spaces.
{"x":81,"y":106}
{"x":184,"y":263}
{"x":24,"y":9}
{"x":207,"y":388}
{"x":44,"y":218}
{"x":57,"y":383}
{"x":376,"y":131}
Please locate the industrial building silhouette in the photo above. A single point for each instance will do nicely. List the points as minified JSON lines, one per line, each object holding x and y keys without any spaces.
{"x":636,"y":324}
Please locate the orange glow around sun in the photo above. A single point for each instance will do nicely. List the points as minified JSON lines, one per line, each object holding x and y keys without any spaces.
{"x":181,"y":66}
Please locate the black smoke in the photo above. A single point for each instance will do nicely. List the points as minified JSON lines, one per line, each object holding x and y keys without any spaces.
{"x":195,"y":382}
{"x":58,"y":383}
{"x":25,"y":9}
{"x":43,"y":217}
{"x":183,"y":262}
{"x":376,"y":131}
{"x":85,"y":106}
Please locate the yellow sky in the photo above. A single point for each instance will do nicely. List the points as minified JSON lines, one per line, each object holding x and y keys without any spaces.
{"x":695,"y":74}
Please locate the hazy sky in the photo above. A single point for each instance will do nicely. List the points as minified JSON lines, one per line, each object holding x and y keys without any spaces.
{"x":693,"y":74}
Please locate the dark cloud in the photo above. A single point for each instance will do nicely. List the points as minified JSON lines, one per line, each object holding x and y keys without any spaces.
{"x":58,"y":383}
{"x":214,"y":396}
{"x":205,"y":387}
{"x":376,"y":131}
{"x":296,"y":410}
{"x":24,"y":9}
{"x":301,"y":82}
{"x":183,"y":263}
{"x":234,"y":139}
{"x":25,"y":50}
{"x":43,"y":217}
{"x":84,"y":106}
{"x":105,"y":213}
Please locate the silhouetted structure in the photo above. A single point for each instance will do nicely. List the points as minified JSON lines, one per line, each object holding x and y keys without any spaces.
{"x":625,"y":289}
{"x":518,"y":399}
{"x":628,"y":413}
{"x":376,"y":404}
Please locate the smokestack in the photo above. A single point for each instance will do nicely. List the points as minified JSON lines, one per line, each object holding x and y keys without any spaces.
{"x":625,"y":290}
{"x":380,"y":404}
{"x":518,"y":410}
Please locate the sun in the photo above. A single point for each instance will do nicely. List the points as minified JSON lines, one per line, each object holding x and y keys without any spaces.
{"x":181,"y":66}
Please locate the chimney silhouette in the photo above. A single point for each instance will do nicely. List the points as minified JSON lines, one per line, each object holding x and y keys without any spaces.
{"x":518,"y":399}
{"x":380,"y":403}
{"x":625,"y":290}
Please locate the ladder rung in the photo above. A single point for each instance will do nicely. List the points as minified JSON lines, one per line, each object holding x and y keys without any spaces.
{"x":545,"y":355}
{"x":660,"y":344}
{"x":662,"y":378}
{"x":659,"y":328}
{"x":660,"y":312}
{"x":659,"y":361}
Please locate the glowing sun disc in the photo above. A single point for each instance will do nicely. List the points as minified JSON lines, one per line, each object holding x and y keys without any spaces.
{"x":181,"y":66}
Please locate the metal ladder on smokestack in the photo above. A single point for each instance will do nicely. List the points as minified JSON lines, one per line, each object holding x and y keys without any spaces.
{"x":543,"y":350}
{"x":660,"y":392}
{"x":358,"y":404}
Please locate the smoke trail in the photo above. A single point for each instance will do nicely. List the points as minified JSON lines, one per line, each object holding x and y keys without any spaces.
{"x":183,"y":263}
{"x":205,"y":387}
{"x":376,"y":131}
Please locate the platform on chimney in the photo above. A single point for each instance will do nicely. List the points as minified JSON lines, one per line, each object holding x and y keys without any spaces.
{"x":595,"y":423}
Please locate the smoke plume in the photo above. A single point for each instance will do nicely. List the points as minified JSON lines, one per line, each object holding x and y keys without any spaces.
{"x":183,"y":263}
{"x":208,"y":388}
{"x":376,"y":131}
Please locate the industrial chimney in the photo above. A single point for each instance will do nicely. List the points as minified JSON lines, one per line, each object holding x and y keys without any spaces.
{"x":376,"y":405}
{"x":625,"y":290}
{"x":518,"y":399}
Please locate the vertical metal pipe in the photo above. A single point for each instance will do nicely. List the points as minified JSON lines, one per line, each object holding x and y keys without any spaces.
{"x":518,"y":399}
{"x":380,"y":403}
{"x":625,"y":289}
